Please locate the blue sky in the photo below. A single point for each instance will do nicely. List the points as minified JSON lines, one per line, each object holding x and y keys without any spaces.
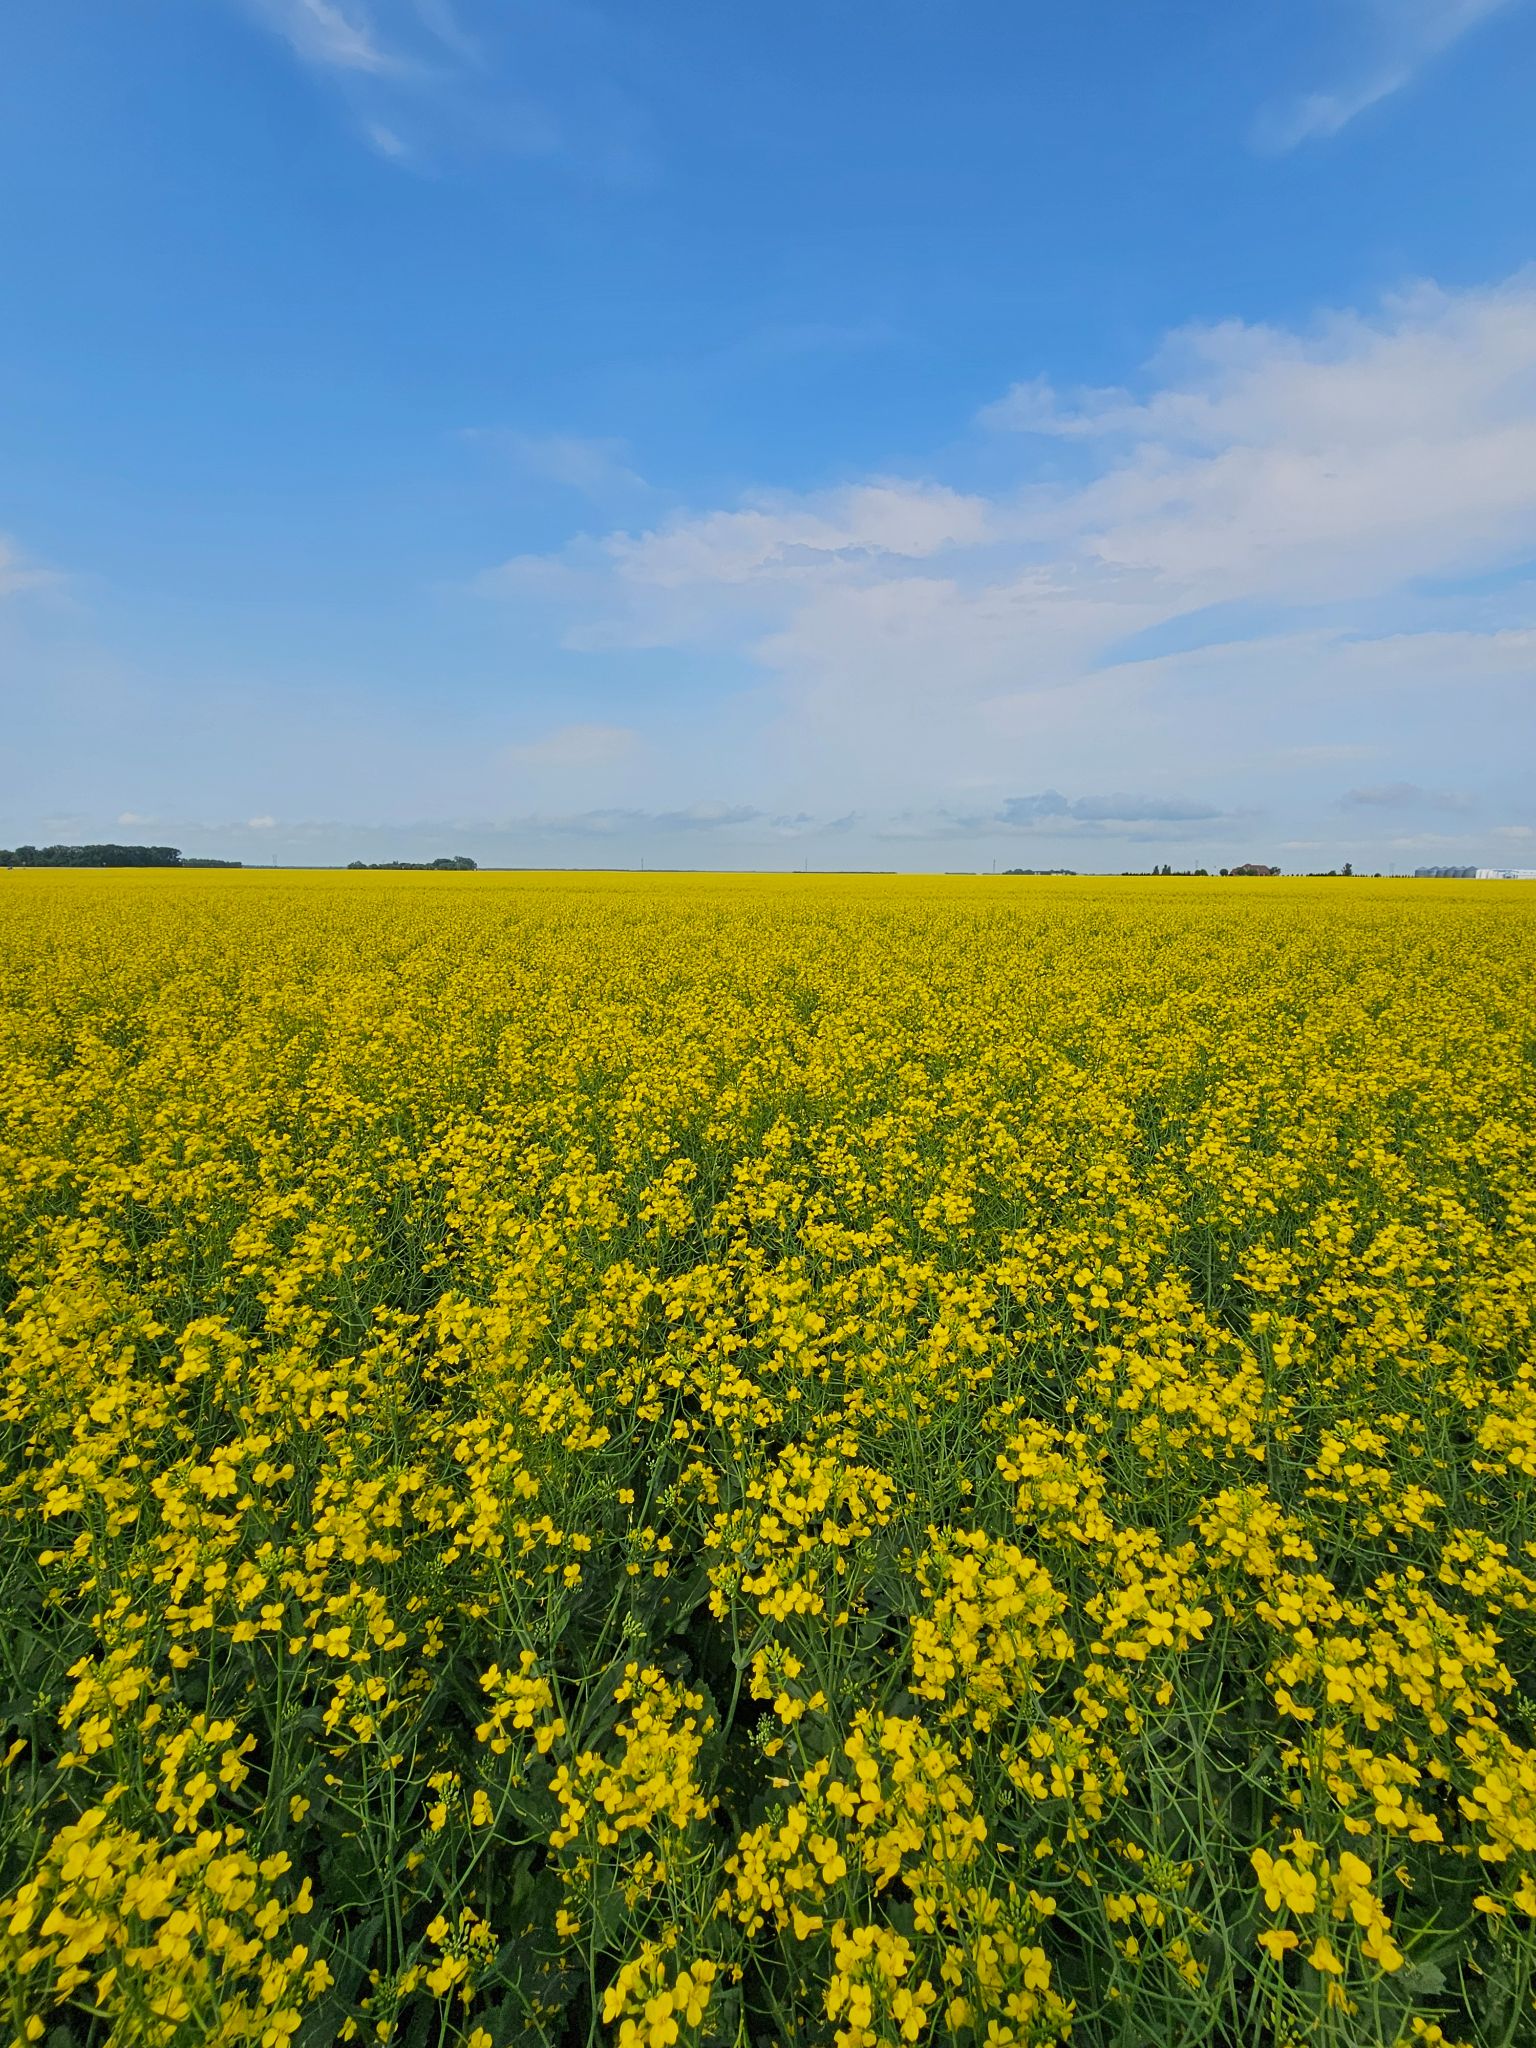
{"x":902,"y":436}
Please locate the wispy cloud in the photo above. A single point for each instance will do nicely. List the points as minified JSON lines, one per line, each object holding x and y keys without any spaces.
{"x":1117,"y":809}
{"x":747,"y":825}
{"x":330,"y":35}
{"x":1049,"y":814}
{"x":386,"y":141}
{"x":1402,"y":37}
{"x":18,"y":572}
{"x":595,"y":466}
{"x":1404,"y":796}
{"x":625,"y":821}
{"x":596,"y":823}
{"x":377,"y":38}
{"x":582,"y":747}
{"x":420,"y":80}
{"x":1324,"y":753}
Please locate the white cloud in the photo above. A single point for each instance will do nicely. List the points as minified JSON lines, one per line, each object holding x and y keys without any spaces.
{"x":1403,"y":36}
{"x":861,"y":525}
{"x":1316,"y":465}
{"x":1280,"y":554}
{"x":910,"y":626}
{"x":716,"y":578}
{"x":133,"y":818}
{"x":261,"y":824}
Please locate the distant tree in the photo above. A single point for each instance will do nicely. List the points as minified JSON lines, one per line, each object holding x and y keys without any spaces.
{"x":99,"y":856}
{"x":446,"y":864}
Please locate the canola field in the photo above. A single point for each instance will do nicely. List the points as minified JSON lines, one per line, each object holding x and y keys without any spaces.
{"x":695,"y":1461}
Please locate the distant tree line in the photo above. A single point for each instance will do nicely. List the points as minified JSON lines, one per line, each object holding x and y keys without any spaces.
{"x":104,"y":857}
{"x":1039,"y":871}
{"x":1251,"y":867}
{"x":459,"y":863}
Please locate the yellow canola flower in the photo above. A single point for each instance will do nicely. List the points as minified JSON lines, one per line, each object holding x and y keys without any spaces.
{"x":793,"y":1450}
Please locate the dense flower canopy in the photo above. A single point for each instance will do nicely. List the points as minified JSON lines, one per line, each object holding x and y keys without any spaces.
{"x":711,"y":1460}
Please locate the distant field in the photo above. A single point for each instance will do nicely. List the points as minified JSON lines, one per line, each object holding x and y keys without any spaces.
{"x":728,"y":1460}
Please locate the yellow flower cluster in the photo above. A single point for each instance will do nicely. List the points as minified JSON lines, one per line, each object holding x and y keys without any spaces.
{"x":653,"y":1775}
{"x":653,"y":2008}
{"x":1301,"y":1881}
{"x":993,"y":1616}
{"x":700,"y":1461}
{"x":181,"y":1941}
